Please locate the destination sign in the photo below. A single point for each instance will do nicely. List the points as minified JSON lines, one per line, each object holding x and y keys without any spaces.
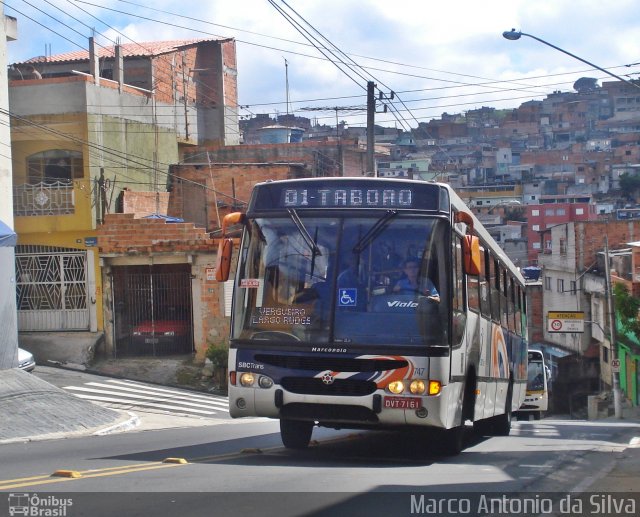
{"x":343,"y":197}
{"x":341,"y":193}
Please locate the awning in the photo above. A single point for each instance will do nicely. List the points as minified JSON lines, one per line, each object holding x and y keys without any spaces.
{"x":7,"y":236}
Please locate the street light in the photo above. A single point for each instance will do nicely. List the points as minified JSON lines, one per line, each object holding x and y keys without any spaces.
{"x":513,"y":35}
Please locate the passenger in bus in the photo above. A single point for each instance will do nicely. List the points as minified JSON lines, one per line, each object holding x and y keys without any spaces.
{"x":409,"y":283}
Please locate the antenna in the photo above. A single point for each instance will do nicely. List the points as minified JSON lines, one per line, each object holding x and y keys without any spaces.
{"x":286,"y":75}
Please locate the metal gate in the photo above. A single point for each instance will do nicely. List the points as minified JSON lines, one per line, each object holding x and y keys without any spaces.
{"x":51,"y":288}
{"x":152,"y":309}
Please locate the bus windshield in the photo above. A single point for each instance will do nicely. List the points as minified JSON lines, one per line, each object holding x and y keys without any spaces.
{"x":373,"y":280}
{"x":535,"y":376}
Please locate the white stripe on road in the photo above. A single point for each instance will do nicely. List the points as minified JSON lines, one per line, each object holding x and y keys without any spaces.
{"x":135,"y":402}
{"x":141,"y":389}
{"x":163,"y":390}
{"x":136,"y":397}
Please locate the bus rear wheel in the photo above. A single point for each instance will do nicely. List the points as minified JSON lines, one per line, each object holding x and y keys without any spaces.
{"x":453,"y":441}
{"x":295,"y":434}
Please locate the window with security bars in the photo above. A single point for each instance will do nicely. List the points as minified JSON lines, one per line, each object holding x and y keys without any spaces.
{"x":56,"y":165}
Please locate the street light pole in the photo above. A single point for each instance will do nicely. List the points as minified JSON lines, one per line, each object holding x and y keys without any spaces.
{"x":513,"y":35}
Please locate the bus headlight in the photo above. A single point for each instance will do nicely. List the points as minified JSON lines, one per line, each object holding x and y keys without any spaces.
{"x":247,"y":379}
{"x":417,"y":387}
{"x":396,"y":387}
{"x":265,"y":382}
{"x":435,"y":387}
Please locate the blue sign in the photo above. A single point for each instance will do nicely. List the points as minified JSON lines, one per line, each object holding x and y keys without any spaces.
{"x":90,"y":241}
{"x":347,"y":297}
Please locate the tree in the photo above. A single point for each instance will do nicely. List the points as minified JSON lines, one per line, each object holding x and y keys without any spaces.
{"x":629,"y":183}
{"x":627,"y":307}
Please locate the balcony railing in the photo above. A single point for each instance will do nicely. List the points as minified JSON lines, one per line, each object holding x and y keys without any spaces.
{"x":45,"y":198}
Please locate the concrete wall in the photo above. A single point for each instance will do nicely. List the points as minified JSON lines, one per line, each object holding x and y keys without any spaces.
{"x":8,"y":315}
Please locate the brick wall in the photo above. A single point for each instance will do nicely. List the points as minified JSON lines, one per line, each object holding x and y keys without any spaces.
{"x":122,"y":233}
{"x":535,"y":314}
{"x":141,"y":204}
{"x":221,"y":182}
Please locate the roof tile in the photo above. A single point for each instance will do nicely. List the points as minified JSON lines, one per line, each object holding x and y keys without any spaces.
{"x":148,"y":49}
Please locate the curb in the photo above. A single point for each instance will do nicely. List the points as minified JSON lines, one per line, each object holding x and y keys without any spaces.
{"x":121,"y":427}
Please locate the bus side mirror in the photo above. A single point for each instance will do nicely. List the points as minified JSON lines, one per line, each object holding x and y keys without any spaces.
{"x":471,"y":254}
{"x":223,"y":260}
{"x":225,"y":247}
{"x":230,"y":220}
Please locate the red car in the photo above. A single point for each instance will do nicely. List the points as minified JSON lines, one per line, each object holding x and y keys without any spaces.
{"x":166,"y":333}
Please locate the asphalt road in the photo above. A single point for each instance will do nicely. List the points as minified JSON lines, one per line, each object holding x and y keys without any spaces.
{"x":240,"y":467}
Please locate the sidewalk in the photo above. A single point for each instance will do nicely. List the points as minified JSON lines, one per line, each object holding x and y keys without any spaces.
{"x":32,"y":409}
{"x":623,"y":476}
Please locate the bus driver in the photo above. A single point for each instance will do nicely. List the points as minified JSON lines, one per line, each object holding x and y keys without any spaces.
{"x":409,"y":284}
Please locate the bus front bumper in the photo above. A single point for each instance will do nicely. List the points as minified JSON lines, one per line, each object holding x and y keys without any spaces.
{"x":375,"y":410}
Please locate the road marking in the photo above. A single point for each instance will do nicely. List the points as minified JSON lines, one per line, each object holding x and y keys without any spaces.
{"x":140,"y":388}
{"x":192,"y":395}
{"x":135,"y":394}
{"x":128,"y":396}
{"x":84,"y":474}
{"x":136,"y":402}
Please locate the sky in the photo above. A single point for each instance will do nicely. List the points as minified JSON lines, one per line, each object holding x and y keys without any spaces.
{"x":435,"y":56}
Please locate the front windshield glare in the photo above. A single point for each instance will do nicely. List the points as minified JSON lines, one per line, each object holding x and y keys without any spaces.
{"x":350,"y":285}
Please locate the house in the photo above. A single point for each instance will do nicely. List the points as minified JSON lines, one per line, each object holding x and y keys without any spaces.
{"x":573,"y":279}
{"x":88,"y":129}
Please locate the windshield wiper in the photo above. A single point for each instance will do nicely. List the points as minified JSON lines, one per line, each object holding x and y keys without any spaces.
{"x":303,"y":231}
{"x":374,"y":231}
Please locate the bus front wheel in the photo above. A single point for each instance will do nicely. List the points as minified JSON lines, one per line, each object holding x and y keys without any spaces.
{"x":295,"y":434}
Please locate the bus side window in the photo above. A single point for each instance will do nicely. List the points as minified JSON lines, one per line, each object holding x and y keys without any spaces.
{"x":459,"y":316}
{"x":518,"y":311}
{"x":494,"y":281}
{"x":484,"y":279}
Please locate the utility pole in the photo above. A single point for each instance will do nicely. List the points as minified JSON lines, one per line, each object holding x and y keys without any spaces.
{"x":617,"y":397}
{"x":371,"y":112}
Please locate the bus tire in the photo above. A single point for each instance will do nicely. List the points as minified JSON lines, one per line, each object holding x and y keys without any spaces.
{"x":295,"y":434}
{"x":483,"y":427}
{"x":469,"y":397}
{"x":537,"y":415}
{"x":453,"y":441}
{"x":502,"y":423}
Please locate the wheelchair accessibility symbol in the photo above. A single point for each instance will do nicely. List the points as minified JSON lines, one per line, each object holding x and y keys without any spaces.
{"x":347,"y":297}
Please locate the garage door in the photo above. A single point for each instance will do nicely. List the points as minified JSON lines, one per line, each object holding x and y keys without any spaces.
{"x":152,"y":309}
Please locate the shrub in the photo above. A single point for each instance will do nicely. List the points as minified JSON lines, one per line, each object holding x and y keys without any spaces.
{"x":218,"y":354}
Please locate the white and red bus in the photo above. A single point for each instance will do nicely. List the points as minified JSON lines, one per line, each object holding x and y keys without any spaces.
{"x":372,"y":303}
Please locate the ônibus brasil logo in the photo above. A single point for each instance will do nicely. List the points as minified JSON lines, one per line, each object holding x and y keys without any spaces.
{"x":38,"y":506}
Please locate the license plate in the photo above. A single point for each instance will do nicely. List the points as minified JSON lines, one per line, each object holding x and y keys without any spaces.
{"x":402,"y":403}
{"x":151,"y":340}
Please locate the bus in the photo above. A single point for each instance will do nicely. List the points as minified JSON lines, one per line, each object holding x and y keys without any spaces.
{"x":327,"y":330}
{"x":537,"y":394}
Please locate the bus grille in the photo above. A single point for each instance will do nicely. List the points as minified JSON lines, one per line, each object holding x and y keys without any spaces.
{"x":334,"y":364}
{"x":340,"y":387}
